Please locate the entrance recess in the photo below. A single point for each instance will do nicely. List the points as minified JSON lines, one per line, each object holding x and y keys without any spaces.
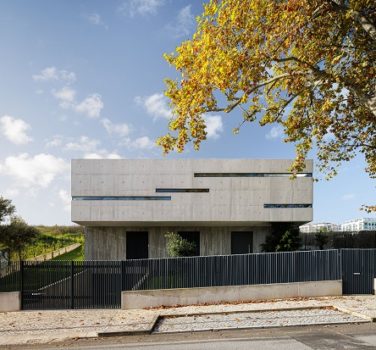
{"x":241,"y":242}
{"x":137,"y":245}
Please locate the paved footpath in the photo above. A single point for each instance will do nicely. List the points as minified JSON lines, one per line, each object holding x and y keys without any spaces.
{"x":37,"y":327}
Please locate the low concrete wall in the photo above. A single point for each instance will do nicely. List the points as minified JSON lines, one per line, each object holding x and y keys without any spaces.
{"x":10,"y":301}
{"x":191,"y":296}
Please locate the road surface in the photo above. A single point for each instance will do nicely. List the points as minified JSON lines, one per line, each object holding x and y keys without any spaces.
{"x":349,"y":336}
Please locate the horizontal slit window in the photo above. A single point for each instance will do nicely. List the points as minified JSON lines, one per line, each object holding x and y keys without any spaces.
{"x":181,"y":190}
{"x":287,"y":205}
{"x":250,"y":175}
{"x":121,"y":198}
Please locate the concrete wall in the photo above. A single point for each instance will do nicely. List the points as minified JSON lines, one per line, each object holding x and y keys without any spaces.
{"x":109,"y":243}
{"x":212,"y":295}
{"x":10,"y":301}
{"x":230,"y":200}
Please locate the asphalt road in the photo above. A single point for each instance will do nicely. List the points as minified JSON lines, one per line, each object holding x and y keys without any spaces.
{"x":354,"y":336}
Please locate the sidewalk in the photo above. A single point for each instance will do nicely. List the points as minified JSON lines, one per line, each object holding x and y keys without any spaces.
{"x":35,"y":327}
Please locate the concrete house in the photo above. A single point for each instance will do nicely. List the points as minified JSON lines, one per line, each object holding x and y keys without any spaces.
{"x":226,"y":206}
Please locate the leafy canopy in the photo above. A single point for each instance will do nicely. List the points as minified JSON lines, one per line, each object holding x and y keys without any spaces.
{"x":17,"y":235}
{"x":6,"y":209}
{"x":178,"y":246}
{"x":308,"y":65}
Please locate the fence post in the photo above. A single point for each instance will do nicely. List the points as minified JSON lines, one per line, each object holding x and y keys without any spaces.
{"x":22,"y":282}
{"x":72,"y":285}
{"x":122,"y":284}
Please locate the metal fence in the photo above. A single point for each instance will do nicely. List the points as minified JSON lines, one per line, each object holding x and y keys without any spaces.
{"x":98,"y":284}
{"x":207,"y":271}
{"x":10,"y":277}
{"x":358,"y":270}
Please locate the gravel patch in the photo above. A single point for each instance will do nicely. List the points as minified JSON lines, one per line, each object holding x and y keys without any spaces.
{"x":262,"y":319}
{"x":32,"y":327}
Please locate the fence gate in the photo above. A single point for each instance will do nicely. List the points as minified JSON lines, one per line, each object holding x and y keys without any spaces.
{"x":70,"y":285}
{"x":358,"y":270}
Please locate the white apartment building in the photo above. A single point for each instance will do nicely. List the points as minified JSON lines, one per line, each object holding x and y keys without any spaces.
{"x":317,"y":227}
{"x":365,"y":224}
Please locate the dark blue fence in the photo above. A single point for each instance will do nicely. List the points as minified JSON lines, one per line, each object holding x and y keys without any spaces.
{"x":98,"y":284}
{"x":227,"y":270}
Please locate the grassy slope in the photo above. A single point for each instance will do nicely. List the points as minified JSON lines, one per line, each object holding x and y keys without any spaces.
{"x":51,"y":238}
{"x":76,"y":255}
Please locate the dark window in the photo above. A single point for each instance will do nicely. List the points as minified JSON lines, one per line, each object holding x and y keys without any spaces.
{"x":287,"y":205}
{"x":193,"y":237}
{"x":251,"y":175}
{"x":241,"y":242}
{"x":137,"y":245}
{"x":121,"y":198}
{"x":181,"y":190}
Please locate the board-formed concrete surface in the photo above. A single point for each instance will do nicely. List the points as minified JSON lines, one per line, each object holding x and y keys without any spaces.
{"x":229,"y":200}
{"x":140,"y":299}
{"x":114,"y":197}
{"x":10,"y":301}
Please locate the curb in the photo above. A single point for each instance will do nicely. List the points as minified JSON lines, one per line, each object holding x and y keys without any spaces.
{"x":146,"y":331}
{"x":355,"y":313}
{"x":157,"y":318}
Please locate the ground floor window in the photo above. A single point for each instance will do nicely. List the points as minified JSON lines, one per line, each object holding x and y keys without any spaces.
{"x":241,"y":242}
{"x":137,"y":245}
{"x":193,"y":237}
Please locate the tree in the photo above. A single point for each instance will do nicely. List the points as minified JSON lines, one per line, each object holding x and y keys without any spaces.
{"x":17,"y":235}
{"x":284,"y":237}
{"x":322,"y":238}
{"x":306,"y":65}
{"x":6,"y":209}
{"x":178,"y":246}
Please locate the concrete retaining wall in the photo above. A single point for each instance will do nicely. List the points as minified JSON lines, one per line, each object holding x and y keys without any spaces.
{"x":192,"y":296}
{"x":10,"y":301}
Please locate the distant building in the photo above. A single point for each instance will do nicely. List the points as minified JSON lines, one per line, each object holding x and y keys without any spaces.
{"x":365,"y":224}
{"x":324,"y":226}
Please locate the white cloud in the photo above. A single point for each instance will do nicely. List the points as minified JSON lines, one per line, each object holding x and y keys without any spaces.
{"x":15,"y":130}
{"x":348,"y":196}
{"x":33,"y":171}
{"x":183,"y":24}
{"x":65,"y":96}
{"x":52,"y":73}
{"x":96,"y":19}
{"x":55,"y":141}
{"x":214,"y":126}
{"x":274,"y":133}
{"x":66,"y":199}
{"x":143,"y":142}
{"x":155,"y":105}
{"x":91,"y":106}
{"x":112,"y":128}
{"x":102,"y":154}
{"x":83,"y":144}
{"x":140,"y":7}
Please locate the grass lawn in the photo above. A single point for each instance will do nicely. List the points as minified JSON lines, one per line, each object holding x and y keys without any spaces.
{"x":76,"y":255}
{"x":51,"y":238}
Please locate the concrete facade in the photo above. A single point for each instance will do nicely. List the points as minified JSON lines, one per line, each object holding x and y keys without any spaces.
{"x":211,"y":295}
{"x":109,"y":243}
{"x":217,"y":197}
{"x":10,"y":301}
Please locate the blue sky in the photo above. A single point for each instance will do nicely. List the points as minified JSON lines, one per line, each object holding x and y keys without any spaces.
{"x":85,"y":79}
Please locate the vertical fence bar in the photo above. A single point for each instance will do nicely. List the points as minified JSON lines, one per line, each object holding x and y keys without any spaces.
{"x":22,"y":283}
{"x":72,"y":285}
